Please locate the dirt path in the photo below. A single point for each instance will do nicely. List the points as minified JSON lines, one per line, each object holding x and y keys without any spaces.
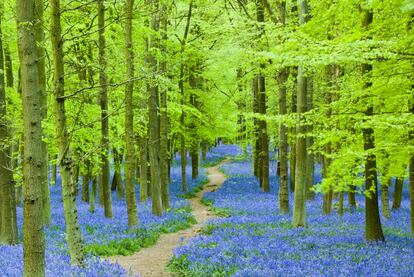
{"x":152,"y":261}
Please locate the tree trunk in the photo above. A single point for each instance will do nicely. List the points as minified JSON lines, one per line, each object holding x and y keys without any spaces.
{"x":292,"y":134}
{"x":8,"y":222}
{"x":117,"y":178}
{"x":85,"y":188}
{"x":256,"y":141}
{"x":66,"y":163}
{"x":143,"y":187}
{"x":283,"y":168}
{"x":183,"y":150}
{"x":385,"y":184}
{"x":341,"y":204}
{"x":396,"y":203}
{"x":372,"y":216}
{"x":264,"y":139}
{"x":92,"y":196}
{"x":203,"y":151}
{"x":310,"y":161}
{"x":164,"y":156}
{"x":33,"y":237}
{"x":154,"y":131}
{"x":326,"y":160}
{"x":299,"y":207}
{"x":129,"y":120}
{"x":104,"y":111}
{"x":54,"y":172}
{"x":351,"y":197}
{"x":41,"y":55}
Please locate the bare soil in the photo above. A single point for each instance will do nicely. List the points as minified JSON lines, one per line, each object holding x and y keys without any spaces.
{"x":152,"y":261}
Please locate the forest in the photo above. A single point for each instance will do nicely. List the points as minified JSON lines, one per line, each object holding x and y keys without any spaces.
{"x":206,"y":138}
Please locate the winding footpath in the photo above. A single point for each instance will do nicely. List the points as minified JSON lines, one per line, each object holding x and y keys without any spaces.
{"x":152,"y":261}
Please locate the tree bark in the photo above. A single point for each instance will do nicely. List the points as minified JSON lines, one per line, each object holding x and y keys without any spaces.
{"x":8,"y":222}
{"x":154,"y":131}
{"x":129,"y":119}
{"x":310,"y":161}
{"x":164,"y":155}
{"x":66,"y":163}
{"x":283,"y":168}
{"x":372,"y":216}
{"x":299,"y":207}
{"x":143,"y":187}
{"x":183,"y":150}
{"x":396,"y":203}
{"x":116,"y":184}
{"x":107,"y":199}
{"x":33,"y":236}
{"x":41,"y":55}
{"x":292,"y":135}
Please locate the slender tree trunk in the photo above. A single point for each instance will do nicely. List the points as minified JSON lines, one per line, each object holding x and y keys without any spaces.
{"x":33,"y":236}
{"x":104,"y":111}
{"x":40,"y":40}
{"x":183,"y":150}
{"x":8,"y":222}
{"x":299,"y":207}
{"x":85,"y":183}
{"x":351,"y":197}
{"x":203,"y":151}
{"x":328,"y":195}
{"x":66,"y":163}
{"x":396,"y":203}
{"x":283,"y":168}
{"x":143,"y":188}
{"x":385,"y":199}
{"x":92,"y":196}
{"x":164,"y":156}
{"x":310,"y":161}
{"x":256,"y":141}
{"x":129,"y":119}
{"x":264,"y":139}
{"x":154,"y":131}
{"x":326,"y":160}
{"x":341,"y":204}
{"x":117,"y":178}
{"x":292,"y":134}
{"x":372,"y":216}
{"x":54,"y":172}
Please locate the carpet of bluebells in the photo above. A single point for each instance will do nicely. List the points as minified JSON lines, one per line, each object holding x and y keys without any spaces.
{"x":256,"y":240}
{"x":97,"y":230}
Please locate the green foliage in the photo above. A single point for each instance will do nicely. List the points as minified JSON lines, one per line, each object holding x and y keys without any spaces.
{"x":141,"y":237}
{"x":195,"y":190}
{"x":181,"y":267}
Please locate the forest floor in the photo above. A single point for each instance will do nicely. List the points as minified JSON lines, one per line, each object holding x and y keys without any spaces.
{"x":153,"y":261}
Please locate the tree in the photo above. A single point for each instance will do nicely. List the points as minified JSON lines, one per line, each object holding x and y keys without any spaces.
{"x":299,"y":208}
{"x":104,"y":111}
{"x":183,"y":151}
{"x":129,"y":119}
{"x":164,"y":155}
{"x":41,"y":55}
{"x":8,"y":221}
{"x":154,"y":133}
{"x":66,"y":163}
{"x":372,"y":217}
{"x":33,"y":236}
